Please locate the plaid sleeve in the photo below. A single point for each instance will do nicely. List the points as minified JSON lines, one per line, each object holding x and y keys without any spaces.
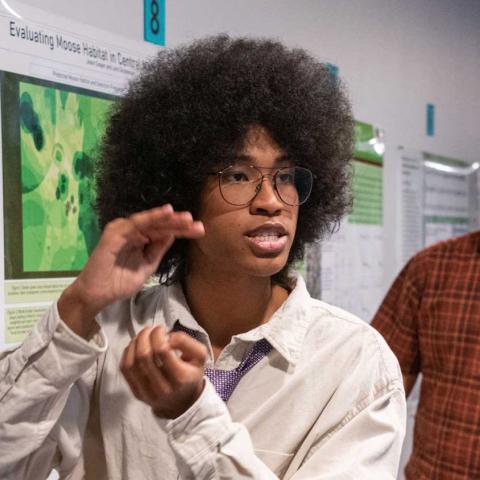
{"x":397,"y":317}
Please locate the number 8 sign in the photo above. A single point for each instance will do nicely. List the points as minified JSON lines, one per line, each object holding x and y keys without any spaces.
{"x":154,"y":21}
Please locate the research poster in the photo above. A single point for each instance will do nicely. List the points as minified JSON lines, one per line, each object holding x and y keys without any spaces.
{"x":352,"y":259}
{"x":408,"y":197}
{"x":437,"y":199}
{"x":58,"y":82}
{"x":450,"y":198}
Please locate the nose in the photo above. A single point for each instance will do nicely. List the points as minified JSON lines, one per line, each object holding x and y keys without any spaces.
{"x":266,"y":201}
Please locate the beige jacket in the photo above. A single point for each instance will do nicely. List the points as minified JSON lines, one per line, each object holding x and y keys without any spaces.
{"x":326,"y":403}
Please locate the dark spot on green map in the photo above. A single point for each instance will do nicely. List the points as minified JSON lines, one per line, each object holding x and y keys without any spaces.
{"x":51,"y":101}
{"x":30,"y":121}
{"x":61,"y":191}
{"x":82,"y":165}
{"x":38,"y":139}
{"x":63,"y":98}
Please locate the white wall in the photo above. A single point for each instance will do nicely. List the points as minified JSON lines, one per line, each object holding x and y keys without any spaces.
{"x":396,"y":55}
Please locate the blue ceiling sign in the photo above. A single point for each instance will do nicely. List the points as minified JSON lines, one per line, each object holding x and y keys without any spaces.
{"x":154,"y":21}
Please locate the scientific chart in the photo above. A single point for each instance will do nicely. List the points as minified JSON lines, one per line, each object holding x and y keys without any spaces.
{"x":58,"y":82}
{"x":351,"y":260}
{"x":450,"y":198}
{"x":437,"y":199}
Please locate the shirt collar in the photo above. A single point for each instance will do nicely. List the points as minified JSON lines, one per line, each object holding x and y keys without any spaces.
{"x":285,"y":331}
{"x":287,"y":328}
{"x":177,"y":309}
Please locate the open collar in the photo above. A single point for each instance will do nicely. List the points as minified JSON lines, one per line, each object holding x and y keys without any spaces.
{"x":285,"y":331}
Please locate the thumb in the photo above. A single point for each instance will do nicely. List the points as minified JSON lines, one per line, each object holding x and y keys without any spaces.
{"x":192,"y":350}
{"x":155,"y":251}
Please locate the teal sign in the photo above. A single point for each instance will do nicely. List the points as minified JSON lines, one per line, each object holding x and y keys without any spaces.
{"x":154,"y":21}
{"x":430,"y":119}
{"x":333,"y":69}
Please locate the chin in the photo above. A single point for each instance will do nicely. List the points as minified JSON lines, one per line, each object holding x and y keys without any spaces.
{"x":266,"y":266}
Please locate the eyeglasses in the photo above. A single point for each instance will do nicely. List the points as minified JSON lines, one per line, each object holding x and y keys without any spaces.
{"x":240,"y":184}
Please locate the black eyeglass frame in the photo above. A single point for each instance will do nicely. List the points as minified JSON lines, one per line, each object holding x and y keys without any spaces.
{"x":260,"y":183}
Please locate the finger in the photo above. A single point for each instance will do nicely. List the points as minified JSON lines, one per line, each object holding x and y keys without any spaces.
{"x":149,"y":226}
{"x":173,"y":368}
{"x":120,"y":232}
{"x":157,"y":223}
{"x":193,"y":355}
{"x":151,"y":377}
{"x":192,"y":350}
{"x":178,"y":227}
{"x":126,"y":367}
{"x":158,"y":216}
{"x":155,"y":251}
{"x":147,"y":217}
{"x":195,"y":230}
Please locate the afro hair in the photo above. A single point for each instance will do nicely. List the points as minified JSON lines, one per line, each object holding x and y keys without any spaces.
{"x":189,"y":111}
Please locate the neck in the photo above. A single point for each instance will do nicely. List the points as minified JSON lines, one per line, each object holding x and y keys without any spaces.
{"x":225,"y":307}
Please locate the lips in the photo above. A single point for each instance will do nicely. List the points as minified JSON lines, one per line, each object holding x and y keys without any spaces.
{"x":268,"y":229}
{"x":268,"y":239}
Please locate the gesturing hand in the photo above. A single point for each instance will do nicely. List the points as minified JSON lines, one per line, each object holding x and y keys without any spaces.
{"x":129,"y":251}
{"x":158,"y":376}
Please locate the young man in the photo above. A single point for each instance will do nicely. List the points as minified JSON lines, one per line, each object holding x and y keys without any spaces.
{"x":430,"y":320}
{"x":224,"y":158}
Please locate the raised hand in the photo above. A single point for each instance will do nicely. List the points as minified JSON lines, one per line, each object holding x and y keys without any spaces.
{"x":164,"y":370}
{"x":129,"y":251}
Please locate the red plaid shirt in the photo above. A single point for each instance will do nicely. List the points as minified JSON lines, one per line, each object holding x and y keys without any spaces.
{"x":431,"y":320}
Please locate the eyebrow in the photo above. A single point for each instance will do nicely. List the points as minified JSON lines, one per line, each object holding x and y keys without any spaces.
{"x":249,"y":159}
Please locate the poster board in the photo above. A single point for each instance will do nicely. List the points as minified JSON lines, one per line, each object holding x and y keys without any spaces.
{"x":450,"y":198}
{"x":58,"y":81}
{"x":347,"y":269}
{"x":436,"y":199}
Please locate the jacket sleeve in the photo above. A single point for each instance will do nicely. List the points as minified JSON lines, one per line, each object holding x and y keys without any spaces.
{"x":365,"y":444}
{"x":45,"y":387}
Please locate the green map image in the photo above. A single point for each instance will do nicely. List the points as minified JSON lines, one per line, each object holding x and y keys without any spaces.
{"x":59,"y":136}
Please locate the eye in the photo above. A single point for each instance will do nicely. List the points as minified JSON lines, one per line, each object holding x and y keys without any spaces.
{"x":285,"y":177}
{"x":237,"y":175}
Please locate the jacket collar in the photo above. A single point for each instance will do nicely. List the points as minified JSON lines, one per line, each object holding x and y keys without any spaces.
{"x":285,"y":331}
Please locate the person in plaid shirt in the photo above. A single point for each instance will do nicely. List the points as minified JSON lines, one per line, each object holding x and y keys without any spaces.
{"x":431,"y":320}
